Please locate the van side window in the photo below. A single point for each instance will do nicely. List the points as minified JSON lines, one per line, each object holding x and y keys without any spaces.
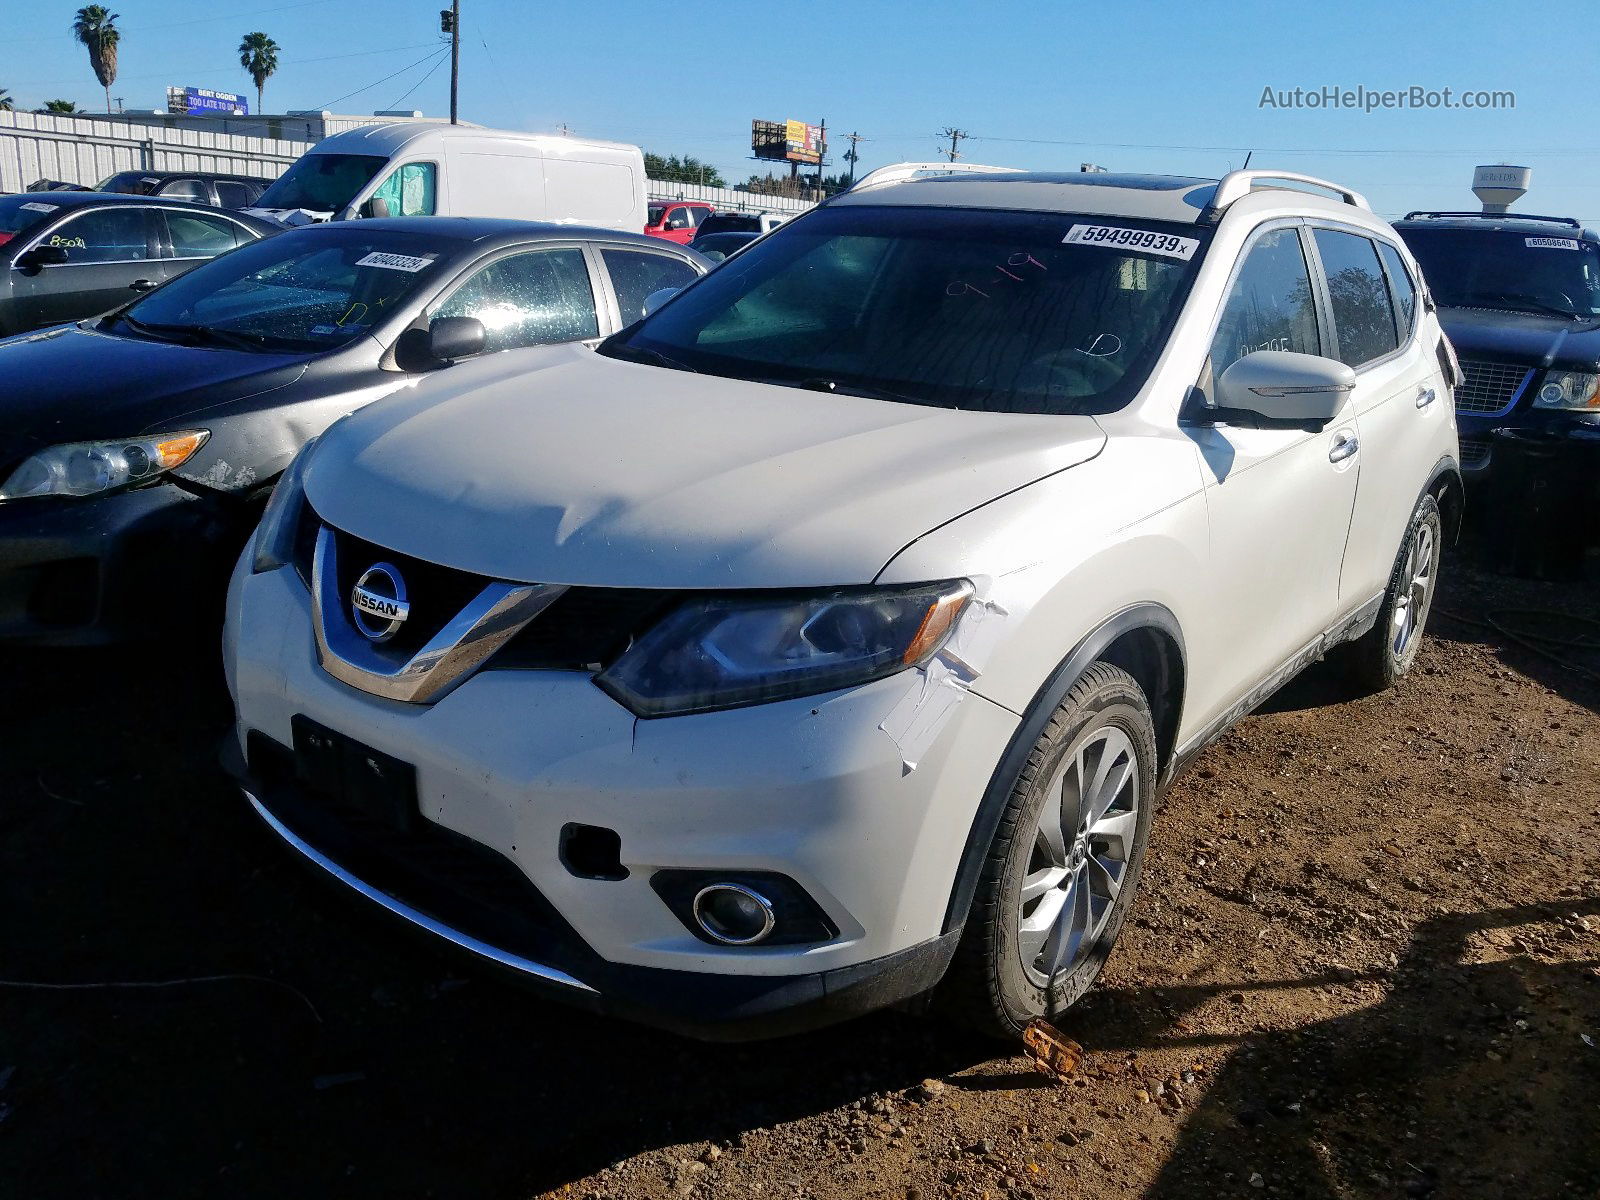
{"x":1405,"y":291}
{"x":409,"y":190}
{"x":637,"y":273}
{"x":530,"y":299}
{"x":1363,"y":316}
{"x":1270,"y":306}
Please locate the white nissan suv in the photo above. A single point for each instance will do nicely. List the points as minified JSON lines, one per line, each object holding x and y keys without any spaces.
{"x":826,"y":638}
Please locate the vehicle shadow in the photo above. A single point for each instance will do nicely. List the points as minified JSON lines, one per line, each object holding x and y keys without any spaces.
{"x":1481,"y":1032}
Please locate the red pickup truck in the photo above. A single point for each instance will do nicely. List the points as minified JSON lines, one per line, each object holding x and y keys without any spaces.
{"x":676,"y":220}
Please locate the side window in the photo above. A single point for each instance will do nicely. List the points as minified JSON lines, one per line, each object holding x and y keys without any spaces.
{"x":104,"y":235}
{"x":678,"y":218}
{"x":234,"y":195}
{"x":187,"y":189}
{"x":1363,"y":316}
{"x":409,"y":190}
{"x":637,"y":273}
{"x":1400,"y":283}
{"x":1270,"y":306}
{"x":195,"y":235}
{"x":529,"y":299}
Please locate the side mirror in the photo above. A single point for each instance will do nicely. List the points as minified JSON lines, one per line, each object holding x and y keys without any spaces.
{"x":375,"y":207}
{"x":451,"y":338}
{"x":714,"y":255}
{"x":656,"y":299}
{"x":42,"y":256}
{"x":1282,"y":386}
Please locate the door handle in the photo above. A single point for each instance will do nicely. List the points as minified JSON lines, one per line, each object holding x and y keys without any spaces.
{"x":142,"y":285}
{"x":1344,"y":446}
{"x":1426,"y":397}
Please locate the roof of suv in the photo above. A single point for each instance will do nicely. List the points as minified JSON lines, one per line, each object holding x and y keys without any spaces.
{"x":1526,"y":224}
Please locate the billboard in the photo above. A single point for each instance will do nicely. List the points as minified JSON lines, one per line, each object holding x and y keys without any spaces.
{"x":192,"y":101}
{"x":787,"y":141}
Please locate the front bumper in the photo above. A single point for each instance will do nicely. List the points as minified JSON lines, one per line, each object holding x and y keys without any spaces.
{"x":810,"y":789}
{"x":108,"y":568}
{"x":1477,"y":442}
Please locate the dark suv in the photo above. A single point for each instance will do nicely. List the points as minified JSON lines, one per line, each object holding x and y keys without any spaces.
{"x":1520,"y":298}
{"x":197,"y":187}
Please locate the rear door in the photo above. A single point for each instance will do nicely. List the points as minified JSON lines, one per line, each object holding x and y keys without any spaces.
{"x":633,"y":273}
{"x":107,"y":250}
{"x":191,"y":238}
{"x":1400,"y":398}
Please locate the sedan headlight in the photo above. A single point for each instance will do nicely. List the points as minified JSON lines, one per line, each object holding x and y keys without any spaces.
{"x":89,"y":468}
{"x":1569,"y":389}
{"x":724,"y":653}
{"x":280,"y":520}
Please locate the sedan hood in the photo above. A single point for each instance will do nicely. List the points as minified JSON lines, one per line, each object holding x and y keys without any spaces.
{"x":77,"y":383}
{"x":564,"y":466}
{"x":1535,"y":339}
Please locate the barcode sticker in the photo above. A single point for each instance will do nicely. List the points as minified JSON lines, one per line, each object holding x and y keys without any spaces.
{"x":1552,"y":243}
{"x":38,"y":206}
{"x":396,"y":262}
{"x":1119,"y":238}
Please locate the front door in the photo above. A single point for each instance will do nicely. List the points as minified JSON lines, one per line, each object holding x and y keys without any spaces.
{"x":107,"y":250}
{"x":1279,"y":501}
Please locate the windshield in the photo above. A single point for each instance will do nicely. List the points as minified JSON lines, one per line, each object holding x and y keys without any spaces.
{"x":18,"y":214}
{"x":1465,"y":268}
{"x":135,"y":183}
{"x":962,"y":308}
{"x":655,"y":212}
{"x":322,"y":182}
{"x":313,"y":289}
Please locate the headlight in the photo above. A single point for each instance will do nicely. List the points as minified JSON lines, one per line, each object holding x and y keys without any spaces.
{"x":280,"y":520}
{"x":89,"y":468}
{"x":1569,"y":389}
{"x":723,"y":653}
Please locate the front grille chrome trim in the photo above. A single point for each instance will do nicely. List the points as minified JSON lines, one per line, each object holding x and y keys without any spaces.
{"x":404,"y":911}
{"x":491,"y":619}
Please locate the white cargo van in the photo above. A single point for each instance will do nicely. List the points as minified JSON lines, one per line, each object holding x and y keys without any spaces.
{"x":420,"y":168}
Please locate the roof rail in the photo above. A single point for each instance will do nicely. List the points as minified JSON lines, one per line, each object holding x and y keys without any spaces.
{"x":1504,"y":216}
{"x":1235,"y":185}
{"x":899,"y":172}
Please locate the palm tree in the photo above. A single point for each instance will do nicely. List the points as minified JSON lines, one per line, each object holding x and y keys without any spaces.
{"x":66,"y":107}
{"x":5,"y":100}
{"x":258,"y":54}
{"x":97,"y":29}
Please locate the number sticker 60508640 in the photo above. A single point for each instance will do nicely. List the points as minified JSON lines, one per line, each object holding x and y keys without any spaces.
{"x":1146,"y":240}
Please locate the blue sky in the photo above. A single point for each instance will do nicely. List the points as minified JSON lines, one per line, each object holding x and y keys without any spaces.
{"x":1148,"y":85}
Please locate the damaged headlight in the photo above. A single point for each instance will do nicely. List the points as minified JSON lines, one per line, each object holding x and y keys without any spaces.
{"x":728,"y":652}
{"x":89,"y":468}
{"x":1569,"y":389}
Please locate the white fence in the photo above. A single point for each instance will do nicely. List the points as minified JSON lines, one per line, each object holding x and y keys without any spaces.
{"x":83,"y":150}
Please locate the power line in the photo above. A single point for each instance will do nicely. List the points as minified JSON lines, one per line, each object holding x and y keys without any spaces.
{"x":253,"y":12}
{"x":234,"y":66}
{"x":436,"y":51}
{"x":394,"y":104}
{"x":955,"y":135}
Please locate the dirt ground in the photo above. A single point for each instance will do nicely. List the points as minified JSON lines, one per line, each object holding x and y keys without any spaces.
{"x":1365,"y":963}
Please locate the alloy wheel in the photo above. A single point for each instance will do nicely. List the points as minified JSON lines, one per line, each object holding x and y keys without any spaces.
{"x":1411,"y":605}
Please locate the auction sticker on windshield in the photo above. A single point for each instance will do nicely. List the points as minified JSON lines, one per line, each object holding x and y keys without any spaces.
{"x":1146,"y":240}
{"x":1552,"y":243}
{"x":396,"y":262}
{"x":38,"y":206}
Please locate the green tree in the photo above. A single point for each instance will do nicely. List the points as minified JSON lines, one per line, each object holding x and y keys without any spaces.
{"x":96,"y":28}
{"x":5,"y":100}
{"x":258,"y":55}
{"x":66,"y":107}
{"x":684,"y":169}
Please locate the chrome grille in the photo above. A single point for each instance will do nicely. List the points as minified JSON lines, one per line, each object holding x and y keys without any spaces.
{"x":1474,"y":453}
{"x":1490,"y":387}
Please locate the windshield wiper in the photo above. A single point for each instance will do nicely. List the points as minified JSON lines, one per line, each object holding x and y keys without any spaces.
{"x":823,"y":384}
{"x":642,"y":354}
{"x":1520,"y":302}
{"x":205,"y":333}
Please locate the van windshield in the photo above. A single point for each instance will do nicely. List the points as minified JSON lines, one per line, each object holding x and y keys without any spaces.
{"x":322,"y":182}
{"x":1027,"y":312}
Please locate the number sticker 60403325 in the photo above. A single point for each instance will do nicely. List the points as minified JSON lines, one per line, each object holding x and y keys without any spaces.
{"x":1146,"y":240}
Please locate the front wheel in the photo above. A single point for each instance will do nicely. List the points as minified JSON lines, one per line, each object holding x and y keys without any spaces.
{"x":1064,"y":864}
{"x":1376,"y":660}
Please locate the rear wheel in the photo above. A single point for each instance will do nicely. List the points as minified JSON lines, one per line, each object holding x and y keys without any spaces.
{"x":1064,"y":865}
{"x":1378,"y":659}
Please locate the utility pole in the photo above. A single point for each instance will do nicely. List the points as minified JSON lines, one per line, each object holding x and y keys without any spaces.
{"x":851,"y":156}
{"x":955,"y":135}
{"x":822,"y":153}
{"x":450,"y":22}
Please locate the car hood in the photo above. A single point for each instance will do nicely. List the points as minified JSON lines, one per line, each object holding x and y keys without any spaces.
{"x":1531,"y":338}
{"x":564,"y":466}
{"x":78,"y":383}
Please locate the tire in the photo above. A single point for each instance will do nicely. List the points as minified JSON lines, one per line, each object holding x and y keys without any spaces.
{"x":989,"y":986}
{"x":1375,"y":661}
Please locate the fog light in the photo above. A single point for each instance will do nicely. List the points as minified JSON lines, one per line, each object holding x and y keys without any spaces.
{"x":733,"y":914}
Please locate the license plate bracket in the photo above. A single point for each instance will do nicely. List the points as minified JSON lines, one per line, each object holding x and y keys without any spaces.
{"x":354,"y":776}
